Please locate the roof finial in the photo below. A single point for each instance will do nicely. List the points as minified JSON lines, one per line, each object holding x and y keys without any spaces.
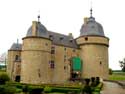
{"x":17,"y":46}
{"x":38,"y":16}
{"x":91,"y":12}
{"x":17,"y":41}
{"x":91,"y":9}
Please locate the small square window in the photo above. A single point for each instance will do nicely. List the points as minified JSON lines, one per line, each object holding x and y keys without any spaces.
{"x":52,"y":64}
{"x":73,"y":50}
{"x":52,"y":51}
{"x":46,"y":44}
{"x":86,"y":38}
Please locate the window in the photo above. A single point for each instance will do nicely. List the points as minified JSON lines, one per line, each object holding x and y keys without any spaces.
{"x":86,"y":38}
{"x":16,"y":58}
{"x":64,"y":67}
{"x":65,"y":49}
{"x":51,"y":37}
{"x":64,"y":58}
{"x":46,"y":44}
{"x":73,"y":50}
{"x":100,"y":63}
{"x":61,"y":38}
{"x":52,"y":50}
{"x":52,"y":65}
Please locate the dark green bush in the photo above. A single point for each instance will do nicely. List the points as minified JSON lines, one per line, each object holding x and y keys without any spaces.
{"x":93,"y":82}
{"x":64,"y":90}
{"x":97,"y":80}
{"x":35,"y":89}
{"x":25,"y":88}
{"x":4,"y":78}
{"x":87,"y":81}
{"x":87,"y":89}
{"x":7,"y":89}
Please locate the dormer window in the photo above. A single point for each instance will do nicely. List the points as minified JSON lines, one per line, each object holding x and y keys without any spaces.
{"x":51,"y":37}
{"x":71,"y":40}
{"x":61,"y":38}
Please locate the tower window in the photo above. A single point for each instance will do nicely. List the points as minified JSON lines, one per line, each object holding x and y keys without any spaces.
{"x":86,"y":38}
{"x":64,"y":67}
{"x":46,"y":44}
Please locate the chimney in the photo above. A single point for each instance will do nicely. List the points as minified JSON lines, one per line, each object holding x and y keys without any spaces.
{"x":34,"y":28}
{"x":70,"y":34}
{"x":86,"y":20}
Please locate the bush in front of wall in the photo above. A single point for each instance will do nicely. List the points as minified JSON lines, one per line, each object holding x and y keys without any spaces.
{"x":4,"y":78}
{"x":93,"y":82}
{"x":97,"y":80}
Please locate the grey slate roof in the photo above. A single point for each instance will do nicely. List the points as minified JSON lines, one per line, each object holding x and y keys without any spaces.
{"x":41,"y":31}
{"x":61,"y":39}
{"x":58,"y":39}
{"x":16,"y":46}
{"x":92,"y":28}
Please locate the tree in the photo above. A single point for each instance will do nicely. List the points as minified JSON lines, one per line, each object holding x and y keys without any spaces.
{"x":110,"y":71}
{"x":122,"y":64}
{"x":3,"y":78}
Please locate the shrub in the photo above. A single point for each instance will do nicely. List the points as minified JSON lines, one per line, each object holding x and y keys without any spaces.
{"x":97,"y":80}
{"x":47,"y":89}
{"x":93,"y":81}
{"x":87,"y":81}
{"x":7,"y":89}
{"x":4,"y":78}
{"x":87,"y":89}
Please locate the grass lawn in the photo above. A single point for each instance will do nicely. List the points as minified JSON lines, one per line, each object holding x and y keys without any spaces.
{"x":117,"y":76}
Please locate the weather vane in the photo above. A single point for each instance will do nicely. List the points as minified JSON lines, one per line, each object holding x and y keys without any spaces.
{"x":38,"y":16}
{"x":91,"y":9}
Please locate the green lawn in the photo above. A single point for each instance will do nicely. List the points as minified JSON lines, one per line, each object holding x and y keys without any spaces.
{"x":117,"y":76}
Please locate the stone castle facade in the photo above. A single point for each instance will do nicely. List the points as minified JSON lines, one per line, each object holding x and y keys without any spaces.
{"x":49,"y":57}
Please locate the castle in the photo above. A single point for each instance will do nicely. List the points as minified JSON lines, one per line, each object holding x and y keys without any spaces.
{"x":49,"y":57}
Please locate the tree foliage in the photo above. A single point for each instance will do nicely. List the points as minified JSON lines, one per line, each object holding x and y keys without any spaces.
{"x":122,"y":64}
{"x":110,"y":71}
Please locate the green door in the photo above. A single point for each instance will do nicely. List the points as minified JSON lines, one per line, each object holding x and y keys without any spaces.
{"x":76,"y":64}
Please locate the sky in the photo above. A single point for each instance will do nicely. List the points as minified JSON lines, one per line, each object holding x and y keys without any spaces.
{"x":64,"y":16}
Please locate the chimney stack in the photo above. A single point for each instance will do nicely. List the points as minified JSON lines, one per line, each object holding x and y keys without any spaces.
{"x":34,"y":28}
{"x":86,"y":20}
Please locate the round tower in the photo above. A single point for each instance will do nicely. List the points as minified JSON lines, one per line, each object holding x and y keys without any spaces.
{"x":94,"y":49}
{"x":36,"y":55}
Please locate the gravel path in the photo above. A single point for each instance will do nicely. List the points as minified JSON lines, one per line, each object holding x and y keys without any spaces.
{"x":112,"y":88}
